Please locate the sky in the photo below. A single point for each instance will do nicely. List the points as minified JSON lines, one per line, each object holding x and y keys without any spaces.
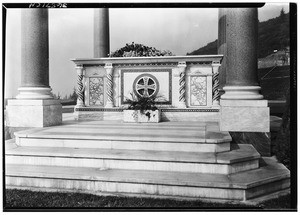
{"x":179,"y":30}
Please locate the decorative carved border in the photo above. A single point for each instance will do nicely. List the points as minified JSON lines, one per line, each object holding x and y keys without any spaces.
{"x":149,"y":64}
{"x":99,"y":109}
{"x":147,"y":71}
{"x":190,"y":110}
{"x":144,"y":64}
{"x":162,"y":110}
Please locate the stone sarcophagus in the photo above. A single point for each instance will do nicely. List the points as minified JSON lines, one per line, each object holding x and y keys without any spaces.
{"x":186,"y":87}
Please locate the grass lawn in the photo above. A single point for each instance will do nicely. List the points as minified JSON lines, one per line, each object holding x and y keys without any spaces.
{"x":25,"y":199}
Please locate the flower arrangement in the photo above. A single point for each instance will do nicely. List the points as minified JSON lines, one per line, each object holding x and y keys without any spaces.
{"x":141,"y":103}
{"x":142,"y":109}
{"x":139,"y":50}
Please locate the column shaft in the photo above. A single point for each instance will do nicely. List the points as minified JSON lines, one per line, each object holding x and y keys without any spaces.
{"x":241,"y":37}
{"x":35,"y":55}
{"x":222,"y":46}
{"x":101,"y":32}
{"x":216,"y":84}
{"x":109,"y":85}
{"x":80,"y":86}
{"x":241,"y":56}
{"x":182,"y":84}
{"x":35,"y":51}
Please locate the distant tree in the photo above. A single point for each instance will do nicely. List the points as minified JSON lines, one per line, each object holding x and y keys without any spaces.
{"x":73,"y":96}
{"x":282,"y":13}
{"x":56,"y":96}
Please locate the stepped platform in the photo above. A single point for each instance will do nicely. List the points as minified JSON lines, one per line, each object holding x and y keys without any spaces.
{"x":171,"y":159}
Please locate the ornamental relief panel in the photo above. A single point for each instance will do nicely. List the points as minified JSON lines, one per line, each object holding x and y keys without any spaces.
{"x":198,"y":91}
{"x":96,"y":91}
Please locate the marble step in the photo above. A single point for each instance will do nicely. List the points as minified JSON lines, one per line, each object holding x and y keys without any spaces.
{"x":243,"y":158}
{"x":166,"y":136}
{"x":271,"y":178}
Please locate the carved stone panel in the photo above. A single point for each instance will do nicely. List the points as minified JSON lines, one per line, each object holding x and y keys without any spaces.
{"x":198,"y":91}
{"x":96,"y":91}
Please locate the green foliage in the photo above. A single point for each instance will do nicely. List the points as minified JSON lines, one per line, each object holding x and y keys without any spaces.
{"x":73,"y":96}
{"x":139,"y":50}
{"x":56,"y":96}
{"x":141,"y":103}
{"x":282,"y":142}
{"x":272,"y":34}
{"x":273,"y":87}
{"x":282,"y":13}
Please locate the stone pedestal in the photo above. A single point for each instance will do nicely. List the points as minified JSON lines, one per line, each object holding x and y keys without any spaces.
{"x":33,"y":113}
{"x":245,"y":116}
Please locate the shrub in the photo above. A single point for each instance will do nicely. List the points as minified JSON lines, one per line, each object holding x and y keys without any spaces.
{"x":141,"y":103}
{"x":139,"y":50}
{"x":282,"y":142}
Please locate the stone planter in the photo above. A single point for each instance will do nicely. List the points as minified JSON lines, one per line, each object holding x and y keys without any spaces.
{"x":137,"y":116}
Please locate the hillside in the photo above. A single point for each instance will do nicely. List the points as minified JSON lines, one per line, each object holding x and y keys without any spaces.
{"x":210,"y":48}
{"x":272,"y":34}
{"x":274,"y":82}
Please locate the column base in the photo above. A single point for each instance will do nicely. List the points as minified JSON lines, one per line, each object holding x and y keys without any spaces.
{"x":216,"y":103}
{"x":109,"y":105}
{"x":245,"y":116}
{"x":34,"y":93}
{"x":33,"y":113}
{"x":181,"y":105}
{"x":79,"y":103}
{"x":242,"y":93}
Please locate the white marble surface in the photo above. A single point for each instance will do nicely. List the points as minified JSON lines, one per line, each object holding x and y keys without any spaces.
{"x":33,"y":113}
{"x":245,"y":119}
{"x":123,"y":81}
{"x":136,"y":116}
{"x":190,"y":116}
{"x":240,"y":186}
{"x":32,"y":102}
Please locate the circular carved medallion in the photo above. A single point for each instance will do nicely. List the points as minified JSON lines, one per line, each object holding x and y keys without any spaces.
{"x":145,"y":85}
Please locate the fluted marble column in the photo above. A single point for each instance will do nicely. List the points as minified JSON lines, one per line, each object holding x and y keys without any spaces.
{"x":241,"y":54}
{"x":101,"y":32}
